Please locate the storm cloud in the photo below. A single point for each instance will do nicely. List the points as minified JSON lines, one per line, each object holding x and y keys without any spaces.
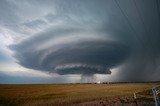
{"x":71,"y":51}
{"x":90,"y":37}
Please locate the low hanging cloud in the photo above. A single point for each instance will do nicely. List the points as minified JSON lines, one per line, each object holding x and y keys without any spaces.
{"x":88,"y":37}
{"x":64,"y":52}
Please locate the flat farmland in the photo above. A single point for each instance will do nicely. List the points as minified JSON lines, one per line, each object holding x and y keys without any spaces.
{"x":74,"y":94}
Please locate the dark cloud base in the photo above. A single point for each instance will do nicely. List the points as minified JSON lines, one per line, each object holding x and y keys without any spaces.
{"x":85,"y":57}
{"x":122,"y":33}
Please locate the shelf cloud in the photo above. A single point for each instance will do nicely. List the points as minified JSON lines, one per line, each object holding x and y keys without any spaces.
{"x":71,"y":51}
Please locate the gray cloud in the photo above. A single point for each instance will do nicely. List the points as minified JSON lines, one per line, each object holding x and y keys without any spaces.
{"x":72,"y":54}
{"x":93,"y":37}
{"x":34,"y":23}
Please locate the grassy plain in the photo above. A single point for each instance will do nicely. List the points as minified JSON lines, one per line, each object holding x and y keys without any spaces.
{"x":65,"y":94}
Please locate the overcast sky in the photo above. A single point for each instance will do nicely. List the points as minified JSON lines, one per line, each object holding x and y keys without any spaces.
{"x":64,"y":41}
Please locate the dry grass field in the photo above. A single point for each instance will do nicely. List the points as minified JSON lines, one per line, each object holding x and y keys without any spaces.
{"x":66,"y":94}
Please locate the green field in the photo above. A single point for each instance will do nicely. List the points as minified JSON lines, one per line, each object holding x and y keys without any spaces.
{"x":66,"y":94}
